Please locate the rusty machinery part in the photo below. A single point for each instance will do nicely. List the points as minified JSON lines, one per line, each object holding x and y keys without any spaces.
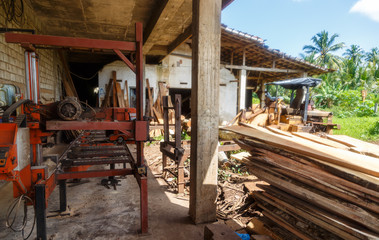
{"x":69,"y":109}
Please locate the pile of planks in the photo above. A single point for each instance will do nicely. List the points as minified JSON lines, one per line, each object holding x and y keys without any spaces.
{"x":155,"y":109}
{"x":254,"y":116}
{"x":315,"y":191}
{"x":114,"y":95}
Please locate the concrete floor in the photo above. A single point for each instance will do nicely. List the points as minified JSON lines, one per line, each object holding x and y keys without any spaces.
{"x":100,"y":213}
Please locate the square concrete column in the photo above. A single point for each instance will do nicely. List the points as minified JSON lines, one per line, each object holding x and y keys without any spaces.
{"x":242,"y":89}
{"x":205,"y":109}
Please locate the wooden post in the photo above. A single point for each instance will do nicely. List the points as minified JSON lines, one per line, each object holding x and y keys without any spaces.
{"x":205,"y":109}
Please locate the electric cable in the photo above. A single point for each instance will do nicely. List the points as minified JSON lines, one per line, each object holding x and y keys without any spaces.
{"x":83,"y":78}
{"x":15,"y":206}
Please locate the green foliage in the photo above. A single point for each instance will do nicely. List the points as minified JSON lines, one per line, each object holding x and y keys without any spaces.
{"x":185,"y":136}
{"x":323,"y":47}
{"x":364,"y":128}
{"x":374,"y":130}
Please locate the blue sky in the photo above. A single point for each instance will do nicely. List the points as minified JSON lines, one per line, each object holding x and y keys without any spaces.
{"x":288,"y":25}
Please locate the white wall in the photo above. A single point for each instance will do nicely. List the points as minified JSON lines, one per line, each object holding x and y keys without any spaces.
{"x":175,"y":71}
{"x":228,"y":95}
{"x":124,"y":73}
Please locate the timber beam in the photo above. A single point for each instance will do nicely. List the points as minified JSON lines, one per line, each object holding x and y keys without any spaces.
{"x":261,"y":69}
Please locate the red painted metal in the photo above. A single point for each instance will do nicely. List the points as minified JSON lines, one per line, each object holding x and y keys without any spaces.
{"x":88,"y":125}
{"x":94,"y":173}
{"x":142,"y":134}
{"x":126,"y":61}
{"x":69,"y":42}
{"x":144,"y":205}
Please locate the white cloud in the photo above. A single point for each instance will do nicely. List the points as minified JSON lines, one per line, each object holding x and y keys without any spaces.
{"x":370,"y":8}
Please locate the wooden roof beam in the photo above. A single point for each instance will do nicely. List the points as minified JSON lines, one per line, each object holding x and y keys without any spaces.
{"x":261,"y":69}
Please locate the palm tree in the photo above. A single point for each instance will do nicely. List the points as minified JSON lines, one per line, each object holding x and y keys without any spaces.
{"x":355,"y":54}
{"x":373,"y":56}
{"x":323,"y":46}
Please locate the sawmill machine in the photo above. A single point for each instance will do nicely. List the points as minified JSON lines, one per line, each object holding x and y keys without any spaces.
{"x":106,"y":138}
{"x":300,"y":113}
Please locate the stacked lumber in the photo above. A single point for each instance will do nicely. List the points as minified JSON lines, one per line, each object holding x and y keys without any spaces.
{"x":316,"y":191}
{"x":255,"y":116}
{"x":113,"y":90}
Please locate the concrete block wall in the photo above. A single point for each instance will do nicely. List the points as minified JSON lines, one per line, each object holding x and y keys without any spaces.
{"x":12,"y":61}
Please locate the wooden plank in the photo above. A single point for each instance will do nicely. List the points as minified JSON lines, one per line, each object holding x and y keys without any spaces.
{"x":283,"y":223}
{"x":368,"y":165}
{"x":325,"y":220}
{"x":262,"y":69}
{"x":106,"y":100}
{"x":126,"y":94}
{"x":69,"y":83}
{"x":149,"y":94}
{"x":114,"y":91}
{"x":158,"y":116}
{"x":327,"y":202}
{"x":278,"y":131}
{"x":341,"y":223}
{"x":320,"y":140}
{"x":357,"y":145}
{"x":120,"y":95}
{"x":317,"y":175}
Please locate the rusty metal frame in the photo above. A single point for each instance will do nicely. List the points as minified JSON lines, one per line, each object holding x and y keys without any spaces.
{"x":174,"y":150}
{"x":139,"y":127}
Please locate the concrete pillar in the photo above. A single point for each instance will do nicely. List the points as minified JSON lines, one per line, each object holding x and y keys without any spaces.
{"x":242,"y":89}
{"x":205,"y":109}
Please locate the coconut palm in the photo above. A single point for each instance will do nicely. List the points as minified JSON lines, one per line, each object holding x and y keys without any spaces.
{"x":355,"y":54}
{"x":324,"y":46}
{"x":373,"y":56}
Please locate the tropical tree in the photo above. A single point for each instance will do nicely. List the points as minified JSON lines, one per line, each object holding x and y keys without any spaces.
{"x":323,"y":47}
{"x":354,"y":54}
{"x":373,"y":56}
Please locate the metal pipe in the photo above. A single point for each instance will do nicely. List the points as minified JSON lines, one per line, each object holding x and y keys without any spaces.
{"x":306,"y":105}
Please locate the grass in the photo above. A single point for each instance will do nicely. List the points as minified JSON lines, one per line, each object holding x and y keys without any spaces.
{"x":364,"y":128}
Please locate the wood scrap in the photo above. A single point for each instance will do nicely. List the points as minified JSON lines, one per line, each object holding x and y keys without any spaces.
{"x":106,"y":100}
{"x":150,"y":96}
{"x":126,"y":94}
{"x":120,"y":96}
{"x":114,"y":90}
{"x":68,"y":83}
{"x":339,"y":199}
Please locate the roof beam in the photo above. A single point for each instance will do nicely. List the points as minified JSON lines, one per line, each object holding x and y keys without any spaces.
{"x":188,"y":33}
{"x":158,"y":22}
{"x":154,"y":19}
{"x":261,"y":69}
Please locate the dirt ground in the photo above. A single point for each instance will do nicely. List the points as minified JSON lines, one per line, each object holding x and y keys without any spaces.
{"x":100,"y":213}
